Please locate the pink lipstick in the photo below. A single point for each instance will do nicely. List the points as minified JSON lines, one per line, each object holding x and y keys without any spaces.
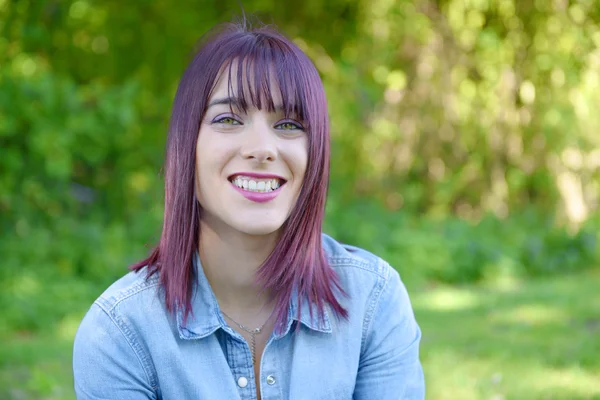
{"x":258,"y":197}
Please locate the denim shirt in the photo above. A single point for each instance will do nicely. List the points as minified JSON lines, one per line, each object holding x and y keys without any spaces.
{"x":129,"y":347}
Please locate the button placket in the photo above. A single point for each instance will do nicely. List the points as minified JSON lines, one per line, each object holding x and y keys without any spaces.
{"x":270,"y":387}
{"x":239,"y":359}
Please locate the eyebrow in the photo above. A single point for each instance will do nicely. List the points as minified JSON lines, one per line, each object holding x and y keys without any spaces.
{"x":233,"y":101}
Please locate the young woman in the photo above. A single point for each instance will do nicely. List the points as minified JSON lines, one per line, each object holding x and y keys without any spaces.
{"x":244,"y":297}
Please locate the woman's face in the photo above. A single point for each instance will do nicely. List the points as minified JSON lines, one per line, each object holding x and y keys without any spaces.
{"x":249,"y":166}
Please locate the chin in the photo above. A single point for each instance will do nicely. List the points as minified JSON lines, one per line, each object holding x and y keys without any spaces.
{"x":260,"y":230}
{"x":255,"y":229}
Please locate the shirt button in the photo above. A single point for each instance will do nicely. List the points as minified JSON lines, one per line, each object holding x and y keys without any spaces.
{"x":271,"y":380}
{"x":242,"y":382}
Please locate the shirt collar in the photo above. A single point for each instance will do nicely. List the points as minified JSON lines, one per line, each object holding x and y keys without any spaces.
{"x":206,"y":315}
{"x":306,"y":319}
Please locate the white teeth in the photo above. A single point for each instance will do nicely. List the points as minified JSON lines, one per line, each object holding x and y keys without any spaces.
{"x":256,"y":185}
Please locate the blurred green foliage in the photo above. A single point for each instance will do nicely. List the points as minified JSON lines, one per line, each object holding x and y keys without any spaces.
{"x":465,"y":140}
{"x":465,"y":137}
{"x":454,"y":250}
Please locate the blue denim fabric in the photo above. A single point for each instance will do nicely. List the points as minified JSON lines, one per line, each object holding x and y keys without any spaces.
{"x":129,"y":347}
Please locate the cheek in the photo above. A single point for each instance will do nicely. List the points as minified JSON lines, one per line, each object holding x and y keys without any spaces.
{"x":303,"y":156}
{"x":212,"y":155}
{"x":296,"y":157}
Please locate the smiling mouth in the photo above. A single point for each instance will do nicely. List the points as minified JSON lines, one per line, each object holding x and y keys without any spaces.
{"x":256,"y":185}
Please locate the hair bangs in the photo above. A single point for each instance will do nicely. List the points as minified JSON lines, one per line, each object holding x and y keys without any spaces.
{"x":261,"y":75}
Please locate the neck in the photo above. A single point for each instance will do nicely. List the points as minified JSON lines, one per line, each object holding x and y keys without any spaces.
{"x":230,"y":260}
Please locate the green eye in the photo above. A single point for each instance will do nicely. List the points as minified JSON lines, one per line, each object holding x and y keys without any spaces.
{"x":228,"y":120}
{"x":289,"y":126}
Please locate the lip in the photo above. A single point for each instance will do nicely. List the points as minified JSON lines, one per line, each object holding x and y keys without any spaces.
{"x":258,"y":197}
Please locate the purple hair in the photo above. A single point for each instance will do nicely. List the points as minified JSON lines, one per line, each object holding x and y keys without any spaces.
{"x":297,"y":261}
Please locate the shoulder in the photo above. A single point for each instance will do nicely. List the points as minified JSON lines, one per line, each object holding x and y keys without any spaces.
{"x":124,"y":302}
{"x":376,"y":294}
{"x":131,"y":288}
{"x":366,"y":278}
{"x":382,"y":319}
{"x":109,"y":344}
{"x":343,"y":257}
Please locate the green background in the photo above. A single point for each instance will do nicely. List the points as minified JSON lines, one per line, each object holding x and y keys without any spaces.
{"x":466,"y":152}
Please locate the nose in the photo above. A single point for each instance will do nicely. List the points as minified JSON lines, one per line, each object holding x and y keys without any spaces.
{"x":259,"y":144}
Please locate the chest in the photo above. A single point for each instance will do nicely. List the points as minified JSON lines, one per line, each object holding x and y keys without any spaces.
{"x":256,"y":343}
{"x":300,"y":365}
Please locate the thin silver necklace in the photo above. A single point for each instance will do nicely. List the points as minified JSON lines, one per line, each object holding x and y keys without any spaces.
{"x":252,"y":332}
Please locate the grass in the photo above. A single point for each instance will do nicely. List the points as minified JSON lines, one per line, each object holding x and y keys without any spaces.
{"x":529,"y":340}
{"x":534,"y":340}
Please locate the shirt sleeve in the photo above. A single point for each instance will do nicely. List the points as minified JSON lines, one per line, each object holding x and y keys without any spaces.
{"x":389,"y":365}
{"x":105,"y":363}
